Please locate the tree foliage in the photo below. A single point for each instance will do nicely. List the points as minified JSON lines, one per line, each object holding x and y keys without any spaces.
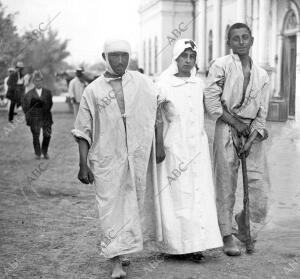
{"x":9,"y":41}
{"x":47,"y":53}
{"x":39,"y":48}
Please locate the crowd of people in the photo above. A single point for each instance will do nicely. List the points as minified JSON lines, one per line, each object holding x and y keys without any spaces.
{"x":24,"y":88}
{"x":144,"y":147}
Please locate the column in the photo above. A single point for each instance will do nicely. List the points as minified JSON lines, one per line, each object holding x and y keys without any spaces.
{"x":297,"y":99}
{"x":217,"y":29}
{"x":274,"y":31}
{"x":264,"y":8}
{"x":278,"y":66}
{"x":275,"y":51}
{"x":255,"y":12}
{"x":241,"y":11}
{"x":201,"y":34}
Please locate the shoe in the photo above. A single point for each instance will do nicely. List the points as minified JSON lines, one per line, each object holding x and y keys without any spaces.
{"x":46,"y":156}
{"x":10,"y":121}
{"x":15,"y":113}
{"x":197,"y":257}
{"x":38,"y":157}
{"x":125,"y":261}
{"x":230,"y":247}
{"x":241,"y":235}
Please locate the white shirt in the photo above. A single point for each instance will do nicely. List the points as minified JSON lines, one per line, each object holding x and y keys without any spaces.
{"x":20,"y":80}
{"x":5,"y":85}
{"x":39,"y":92}
{"x":76,"y":88}
{"x":28,"y":83}
{"x":256,"y":100}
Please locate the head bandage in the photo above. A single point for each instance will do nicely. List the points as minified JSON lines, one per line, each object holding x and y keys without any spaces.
{"x":115,"y":46}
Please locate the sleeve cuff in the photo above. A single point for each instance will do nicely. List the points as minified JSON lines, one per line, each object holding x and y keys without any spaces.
{"x":262,"y":133}
{"x":77,"y":134}
{"x":217,"y":113}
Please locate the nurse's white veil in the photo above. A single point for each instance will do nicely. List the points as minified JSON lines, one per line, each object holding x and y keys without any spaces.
{"x":179,"y":47}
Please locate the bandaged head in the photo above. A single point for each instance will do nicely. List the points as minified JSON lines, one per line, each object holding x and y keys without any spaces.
{"x":115,"y":46}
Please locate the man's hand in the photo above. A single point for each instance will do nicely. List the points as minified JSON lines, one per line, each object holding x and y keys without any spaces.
{"x":242,"y":128}
{"x":248,"y":144}
{"x":85,"y":175}
{"x":246,"y":149}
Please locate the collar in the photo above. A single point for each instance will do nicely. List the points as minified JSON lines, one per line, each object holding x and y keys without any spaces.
{"x":237,"y":58}
{"x":108,"y":79}
{"x":177,"y":81}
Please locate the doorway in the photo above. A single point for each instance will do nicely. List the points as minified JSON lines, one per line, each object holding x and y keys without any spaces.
{"x":289,"y":73}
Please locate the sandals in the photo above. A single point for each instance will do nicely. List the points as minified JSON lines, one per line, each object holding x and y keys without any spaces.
{"x":194,"y":257}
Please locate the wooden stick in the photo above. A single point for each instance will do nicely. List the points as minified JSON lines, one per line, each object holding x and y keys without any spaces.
{"x":249,"y":242}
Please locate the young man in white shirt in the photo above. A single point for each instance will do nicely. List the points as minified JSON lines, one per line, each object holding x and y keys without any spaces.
{"x":240,"y":107}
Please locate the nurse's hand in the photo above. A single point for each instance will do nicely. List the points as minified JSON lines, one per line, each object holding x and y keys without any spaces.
{"x":85,"y":175}
{"x":160,"y":152}
{"x":221,"y":82}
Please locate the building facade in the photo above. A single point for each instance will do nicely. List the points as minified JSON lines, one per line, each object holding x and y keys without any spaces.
{"x":275,"y":26}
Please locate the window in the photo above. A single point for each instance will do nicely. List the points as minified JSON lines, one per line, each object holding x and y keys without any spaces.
{"x":227,"y":49}
{"x":155,"y":54}
{"x":150,"y":57}
{"x":210,"y":46}
{"x":144,"y":55}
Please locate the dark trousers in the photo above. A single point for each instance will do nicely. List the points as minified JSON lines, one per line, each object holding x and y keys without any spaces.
{"x":11,"y":110}
{"x":35,"y":130}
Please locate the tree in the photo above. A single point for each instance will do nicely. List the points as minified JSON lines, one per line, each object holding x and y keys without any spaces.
{"x":9,"y":41}
{"x":39,"y":48}
{"x":46,"y":53}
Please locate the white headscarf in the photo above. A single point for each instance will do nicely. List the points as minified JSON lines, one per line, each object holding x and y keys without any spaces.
{"x":115,"y":46}
{"x":179,"y":47}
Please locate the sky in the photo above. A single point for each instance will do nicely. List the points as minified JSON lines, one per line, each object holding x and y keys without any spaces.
{"x":86,"y":23}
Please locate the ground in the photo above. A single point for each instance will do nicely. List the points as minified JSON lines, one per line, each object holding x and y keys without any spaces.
{"x":49,"y":219}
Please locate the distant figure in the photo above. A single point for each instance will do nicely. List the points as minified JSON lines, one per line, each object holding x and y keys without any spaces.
{"x":3,"y":100}
{"x":16,"y":89}
{"x":10,"y":71}
{"x":28,"y":82}
{"x":37,"y":107}
{"x":76,"y":88}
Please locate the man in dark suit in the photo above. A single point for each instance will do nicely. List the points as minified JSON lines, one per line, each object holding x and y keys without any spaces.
{"x":37,"y":108}
{"x":16,"y":89}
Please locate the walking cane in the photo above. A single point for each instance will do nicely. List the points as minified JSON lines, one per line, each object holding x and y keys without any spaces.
{"x":238,"y":142}
{"x":249,"y":242}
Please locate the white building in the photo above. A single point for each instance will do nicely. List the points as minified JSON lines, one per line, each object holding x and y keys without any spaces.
{"x":275,"y":26}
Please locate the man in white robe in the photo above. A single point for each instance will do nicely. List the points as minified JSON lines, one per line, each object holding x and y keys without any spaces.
{"x":115,"y":129}
{"x":186,"y":192}
{"x":76,"y":88}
